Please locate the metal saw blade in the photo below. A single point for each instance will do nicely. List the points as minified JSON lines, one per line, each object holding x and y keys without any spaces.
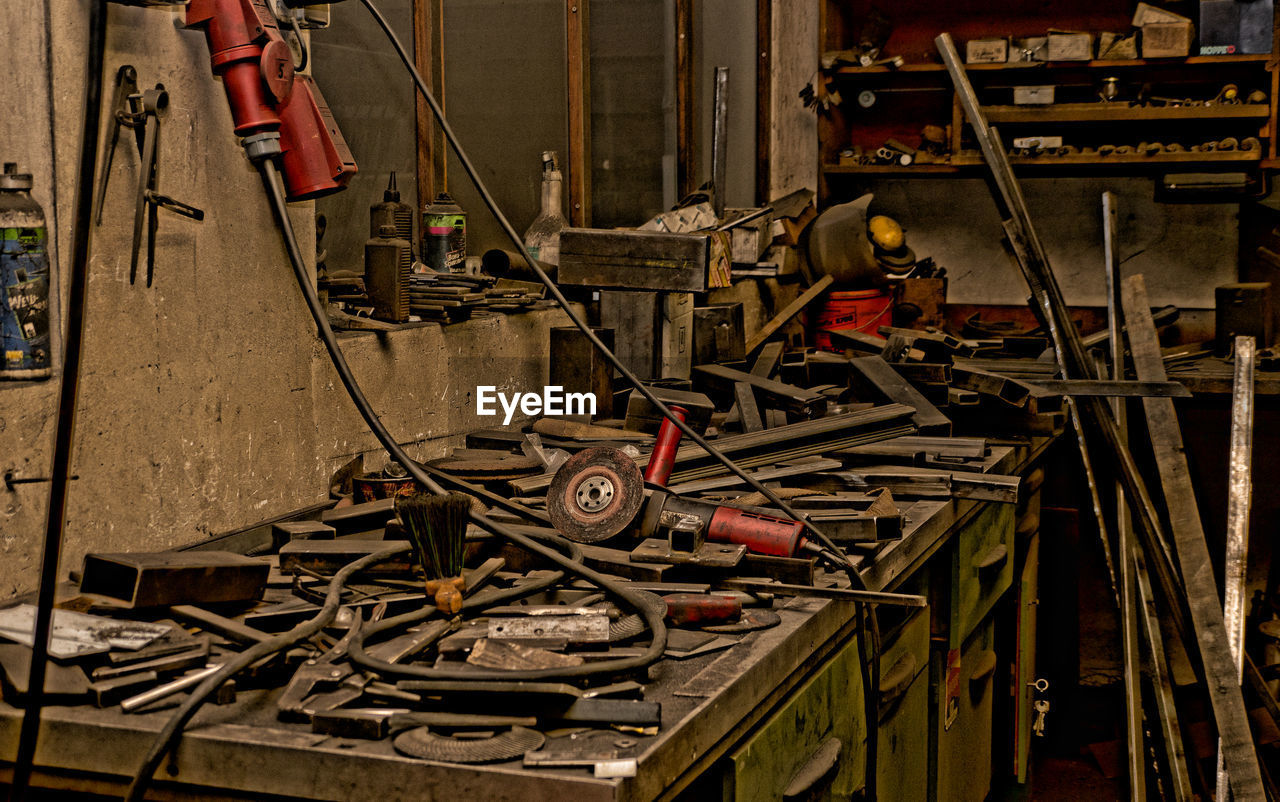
{"x":595,"y":495}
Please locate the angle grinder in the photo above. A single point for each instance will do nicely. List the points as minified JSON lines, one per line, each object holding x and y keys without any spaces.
{"x":599,"y":493}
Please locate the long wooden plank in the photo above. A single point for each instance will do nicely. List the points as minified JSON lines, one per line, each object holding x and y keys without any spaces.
{"x":782,"y":318}
{"x":1239,"y":755}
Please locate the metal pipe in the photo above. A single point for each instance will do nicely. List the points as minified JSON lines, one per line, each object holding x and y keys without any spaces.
{"x":64,"y":437}
{"x":1124,"y":531}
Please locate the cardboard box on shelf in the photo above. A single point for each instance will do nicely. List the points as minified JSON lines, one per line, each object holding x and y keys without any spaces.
{"x":1167,"y":39}
{"x":1070,"y":46}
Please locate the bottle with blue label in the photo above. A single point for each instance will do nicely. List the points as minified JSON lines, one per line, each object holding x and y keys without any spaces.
{"x":24,"y":281}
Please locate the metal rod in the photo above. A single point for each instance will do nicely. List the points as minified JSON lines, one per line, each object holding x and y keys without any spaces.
{"x":1228,"y":704}
{"x":1239,"y":499}
{"x":82,"y":227}
{"x":1054,"y":314}
{"x":720,"y":140}
{"x":1124,"y":531}
{"x":783,"y":589}
{"x":1161,"y":679}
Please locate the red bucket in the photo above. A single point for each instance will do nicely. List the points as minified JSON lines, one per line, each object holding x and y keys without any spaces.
{"x":858,"y":310}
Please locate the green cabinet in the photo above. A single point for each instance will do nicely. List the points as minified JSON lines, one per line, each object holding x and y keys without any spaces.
{"x":982,"y":568}
{"x":902,"y":759}
{"x":816,"y":741}
{"x":963,"y":688}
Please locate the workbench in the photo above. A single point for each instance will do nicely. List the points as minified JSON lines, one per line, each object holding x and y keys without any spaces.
{"x":736,"y":724}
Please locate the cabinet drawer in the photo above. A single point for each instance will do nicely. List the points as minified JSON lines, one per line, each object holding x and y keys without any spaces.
{"x":902,"y":757}
{"x":982,"y":568}
{"x":829,"y":706}
{"x":962,"y":751}
{"x":904,"y":657}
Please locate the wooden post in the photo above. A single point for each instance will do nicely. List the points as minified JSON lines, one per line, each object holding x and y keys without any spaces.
{"x":578,"y":35}
{"x":428,"y":57}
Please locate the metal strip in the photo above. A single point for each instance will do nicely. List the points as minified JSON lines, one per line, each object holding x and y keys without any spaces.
{"x":1115,"y":389}
{"x":1239,"y":498}
{"x":1221,"y":674}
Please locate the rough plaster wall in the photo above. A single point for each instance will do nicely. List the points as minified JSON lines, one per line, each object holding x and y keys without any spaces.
{"x":1184,"y":250}
{"x":725,"y":36}
{"x":372,"y":99}
{"x":206,"y":402}
{"x":793,"y":144}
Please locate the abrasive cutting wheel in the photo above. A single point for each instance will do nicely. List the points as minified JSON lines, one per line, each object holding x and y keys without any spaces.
{"x":595,"y":495}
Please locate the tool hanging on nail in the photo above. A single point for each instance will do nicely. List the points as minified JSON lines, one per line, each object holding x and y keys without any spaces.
{"x":141,"y":111}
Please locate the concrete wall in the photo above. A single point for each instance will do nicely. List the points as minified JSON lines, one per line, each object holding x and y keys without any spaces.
{"x":206,"y":401}
{"x":1184,"y":250}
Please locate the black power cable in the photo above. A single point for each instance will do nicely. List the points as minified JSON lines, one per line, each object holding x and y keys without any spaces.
{"x":173,"y":727}
{"x":868,"y":623}
{"x":29,"y":733}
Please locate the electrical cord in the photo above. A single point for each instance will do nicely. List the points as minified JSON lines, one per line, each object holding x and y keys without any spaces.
{"x":869,"y":625}
{"x":173,"y":727}
{"x":870,"y":668}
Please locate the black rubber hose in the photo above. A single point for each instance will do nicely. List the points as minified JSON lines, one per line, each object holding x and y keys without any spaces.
{"x":29,"y":733}
{"x":869,"y":625}
{"x":173,"y":727}
{"x":574,"y":318}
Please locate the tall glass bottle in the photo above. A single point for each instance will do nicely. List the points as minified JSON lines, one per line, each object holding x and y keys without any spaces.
{"x":542,"y":240}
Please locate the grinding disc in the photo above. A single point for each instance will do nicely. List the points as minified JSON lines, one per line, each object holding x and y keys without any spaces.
{"x":629,"y":626}
{"x":423,"y":743}
{"x":595,"y":495}
{"x":751,"y":620}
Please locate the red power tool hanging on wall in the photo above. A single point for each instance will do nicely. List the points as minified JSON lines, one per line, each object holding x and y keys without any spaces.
{"x":276,"y":111}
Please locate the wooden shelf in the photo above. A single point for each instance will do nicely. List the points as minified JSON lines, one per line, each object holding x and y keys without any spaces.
{"x":1060,"y":65}
{"x":1122,"y":112}
{"x":966,"y":161}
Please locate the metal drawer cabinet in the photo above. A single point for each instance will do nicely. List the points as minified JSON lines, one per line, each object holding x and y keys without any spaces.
{"x":981,"y":568}
{"x":962,"y":688}
{"x":902,"y":758}
{"x":814,"y":747}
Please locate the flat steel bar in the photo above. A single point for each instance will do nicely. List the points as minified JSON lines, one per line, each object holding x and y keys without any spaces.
{"x":720,"y":140}
{"x":1239,"y":500}
{"x":1221,"y":673}
{"x":1117,"y":388}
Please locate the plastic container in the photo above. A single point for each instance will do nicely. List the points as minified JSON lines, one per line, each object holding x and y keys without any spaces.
{"x":24,"y":281}
{"x":857,"y":310}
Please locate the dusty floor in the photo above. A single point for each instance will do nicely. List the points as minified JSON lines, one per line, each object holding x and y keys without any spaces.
{"x":1071,"y":779}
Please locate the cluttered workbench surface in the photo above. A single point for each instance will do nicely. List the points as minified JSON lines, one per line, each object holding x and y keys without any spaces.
{"x":641,"y":734}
